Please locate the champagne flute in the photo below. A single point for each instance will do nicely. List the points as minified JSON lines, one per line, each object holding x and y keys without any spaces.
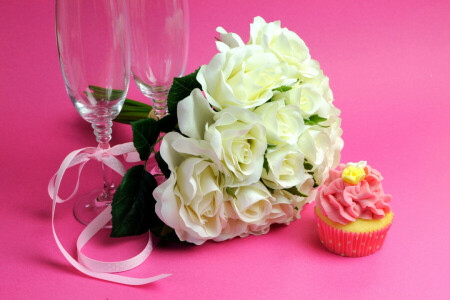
{"x":159,"y":34}
{"x":93,"y":47}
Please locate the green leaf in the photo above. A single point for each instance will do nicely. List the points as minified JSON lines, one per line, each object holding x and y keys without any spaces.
{"x":181,"y":88}
{"x":266,"y":164}
{"x":168,"y":123}
{"x":162,"y":165}
{"x":231,"y":191}
{"x":269,"y":146}
{"x":132,"y":203}
{"x":145,"y":134}
{"x":283,"y":88}
{"x":293,"y":190}
{"x":147,"y":131}
{"x":315,"y":120}
{"x":133,"y":207}
{"x":315,"y":183}
{"x":307,"y":165}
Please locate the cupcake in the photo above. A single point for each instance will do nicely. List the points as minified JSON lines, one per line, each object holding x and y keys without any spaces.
{"x":352,"y":210}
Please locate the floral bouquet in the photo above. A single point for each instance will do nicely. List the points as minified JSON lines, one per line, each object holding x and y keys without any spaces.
{"x":247,"y":139}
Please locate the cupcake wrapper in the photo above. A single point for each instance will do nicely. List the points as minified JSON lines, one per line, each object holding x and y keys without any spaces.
{"x":351,"y":243}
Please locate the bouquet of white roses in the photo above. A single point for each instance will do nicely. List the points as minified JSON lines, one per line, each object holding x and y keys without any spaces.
{"x":248,"y":138}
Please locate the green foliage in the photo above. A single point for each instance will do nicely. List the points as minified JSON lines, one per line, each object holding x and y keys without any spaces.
{"x":266,"y":164}
{"x":181,"y":88}
{"x":307,"y":165}
{"x":283,"y":88}
{"x":315,"y":182}
{"x":231,"y":191}
{"x":145,"y":134}
{"x":294,"y":191}
{"x":132,"y":203}
{"x":167,"y":124}
{"x":162,"y":165}
{"x":315,"y":120}
{"x":133,"y":207}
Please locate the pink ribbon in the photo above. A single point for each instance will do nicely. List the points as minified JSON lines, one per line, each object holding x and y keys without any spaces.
{"x":86,"y":265}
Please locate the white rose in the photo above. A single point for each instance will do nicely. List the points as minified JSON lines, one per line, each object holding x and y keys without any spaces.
{"x":236,"y":134}
{"x":305,"y":188}
{"x":314,"y":143}
{"x":250,"y":208}
{"x":258,"y":229}
{"x":239,"y":140}
{"x":194,"y":113}
{"x":175,"y":148}
{"x":233,"y":227}
{"x":307,"y":98}
{"x":296,"y":201}
{"x":243,"y":76}
{"x":228,"y":40}
{"x":285,"y":164}
{"x":287,"y":45}
{"x":284,"y":123}
{"x":191,"y":200}
{"x":252,"y":203}
{"x":322,"y":84}
{"x":285,"y":209}
{"x":322,"y":146}
{"x":332,"y":153}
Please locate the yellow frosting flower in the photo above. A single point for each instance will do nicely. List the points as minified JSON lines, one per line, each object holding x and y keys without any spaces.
{"x":353,"y":174}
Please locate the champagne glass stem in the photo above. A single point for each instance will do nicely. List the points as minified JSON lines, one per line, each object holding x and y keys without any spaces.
{"x":102,"y":131}
{"x":159,"y":101}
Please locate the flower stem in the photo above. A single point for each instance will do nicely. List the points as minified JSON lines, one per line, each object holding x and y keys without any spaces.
{"x":136,"y":103}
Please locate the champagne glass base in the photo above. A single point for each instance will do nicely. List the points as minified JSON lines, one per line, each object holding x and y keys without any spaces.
{"x":87,"y":208}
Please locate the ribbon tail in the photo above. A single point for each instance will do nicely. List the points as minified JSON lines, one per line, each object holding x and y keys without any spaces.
{"x":104,"y":276}
{"x":86,"y":265}
{"x":109,"y":267}
{"x":74,"y":158}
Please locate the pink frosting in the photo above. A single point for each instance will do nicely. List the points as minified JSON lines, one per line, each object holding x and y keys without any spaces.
{"x":344,"y":203}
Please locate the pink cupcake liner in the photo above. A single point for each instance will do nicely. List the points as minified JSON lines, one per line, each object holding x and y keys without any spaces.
{"x":351,"y":244}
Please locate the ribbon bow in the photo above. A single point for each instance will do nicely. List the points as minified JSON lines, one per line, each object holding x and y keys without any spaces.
{"x":86,"y":265}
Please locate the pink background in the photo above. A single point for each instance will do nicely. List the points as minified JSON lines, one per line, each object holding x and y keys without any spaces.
{"x":388,"y":63}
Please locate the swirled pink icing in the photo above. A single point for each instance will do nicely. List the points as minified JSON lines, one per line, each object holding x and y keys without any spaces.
{"x":344,"y":203}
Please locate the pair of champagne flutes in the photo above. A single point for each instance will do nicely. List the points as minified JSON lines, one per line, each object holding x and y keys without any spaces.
{"x":100,"y":42}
